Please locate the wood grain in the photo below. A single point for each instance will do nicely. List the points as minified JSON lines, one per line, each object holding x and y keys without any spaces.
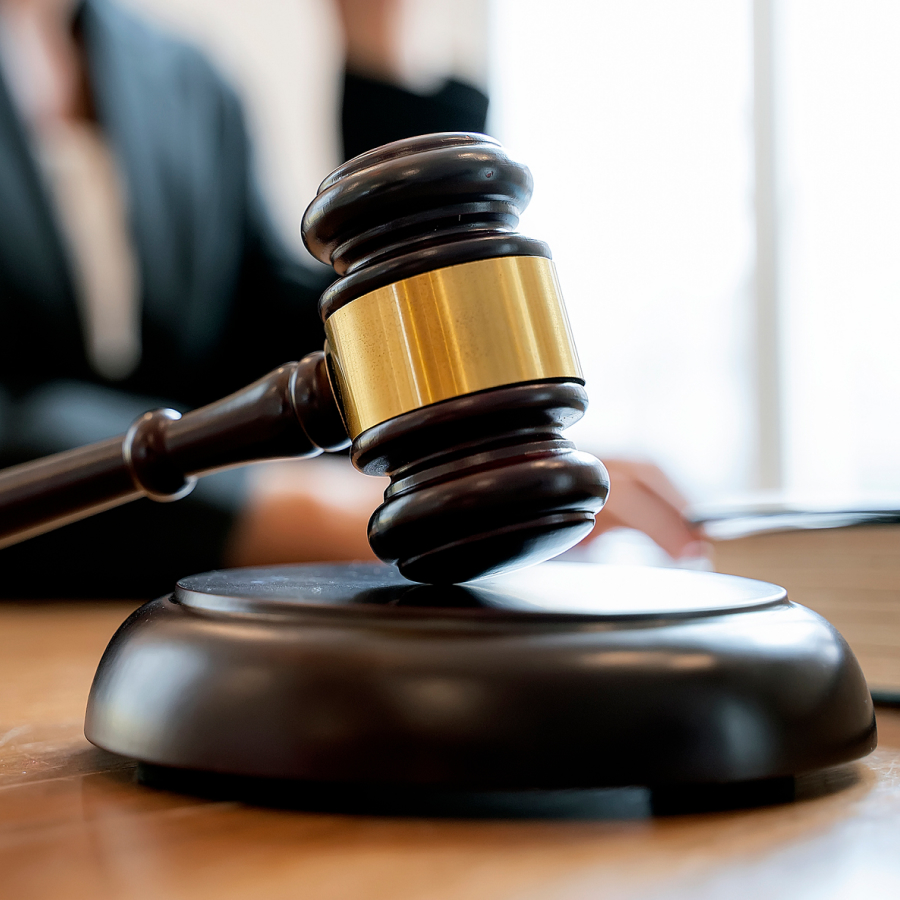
{"x":74,"y":823}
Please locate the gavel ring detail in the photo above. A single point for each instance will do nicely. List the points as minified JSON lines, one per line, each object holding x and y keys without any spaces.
{"x":449,"y":363}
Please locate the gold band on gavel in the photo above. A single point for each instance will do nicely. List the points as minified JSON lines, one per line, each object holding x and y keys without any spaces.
{"x":447,"y":333}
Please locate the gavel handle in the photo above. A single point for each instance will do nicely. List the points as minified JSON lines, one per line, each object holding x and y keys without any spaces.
{"x":291,"y":412}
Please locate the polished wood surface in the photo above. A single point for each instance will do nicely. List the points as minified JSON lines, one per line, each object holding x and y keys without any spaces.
{"x":561,"y":676}
{"x":291,"y":412}
{"x":482,"y":479}
{"x":73,"y":822}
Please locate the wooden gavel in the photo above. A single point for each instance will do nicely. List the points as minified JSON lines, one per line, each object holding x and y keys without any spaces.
{"x":449,"y":363}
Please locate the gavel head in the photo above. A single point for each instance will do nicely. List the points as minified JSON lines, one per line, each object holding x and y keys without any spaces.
{"x":452,"y":360}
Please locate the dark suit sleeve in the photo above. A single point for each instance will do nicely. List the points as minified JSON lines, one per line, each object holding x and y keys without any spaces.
{"x":376,"y":112}
{"x":275,"y":316}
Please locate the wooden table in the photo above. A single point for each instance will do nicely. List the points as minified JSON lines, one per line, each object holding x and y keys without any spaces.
{"x":74,"y":823}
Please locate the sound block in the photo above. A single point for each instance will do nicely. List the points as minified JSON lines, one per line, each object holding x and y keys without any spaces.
{"x":563,"y":675}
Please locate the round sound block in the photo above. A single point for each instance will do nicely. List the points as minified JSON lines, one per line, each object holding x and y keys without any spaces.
{"x":563,"y":675}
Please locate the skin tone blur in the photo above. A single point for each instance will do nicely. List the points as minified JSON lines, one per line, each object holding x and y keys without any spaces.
{"x":318,"y":511}
{"x":56,"y":74}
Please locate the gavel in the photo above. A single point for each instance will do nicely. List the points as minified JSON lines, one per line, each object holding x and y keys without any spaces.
{"x":449,"y":365}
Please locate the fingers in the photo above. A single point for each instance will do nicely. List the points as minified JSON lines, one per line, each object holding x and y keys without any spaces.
{"x":655,"y":480}
{"x":642,"y":497}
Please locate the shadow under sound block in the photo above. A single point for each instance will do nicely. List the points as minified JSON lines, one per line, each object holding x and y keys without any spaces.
{"x":563,"y":675}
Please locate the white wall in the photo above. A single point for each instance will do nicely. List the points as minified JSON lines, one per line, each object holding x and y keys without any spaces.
{"x":284,"y":56}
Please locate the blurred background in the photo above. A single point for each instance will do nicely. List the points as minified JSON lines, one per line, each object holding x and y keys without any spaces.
{"x":718,"y":181}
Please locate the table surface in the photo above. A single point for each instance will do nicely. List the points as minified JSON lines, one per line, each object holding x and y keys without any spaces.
{"x":74,"y":822}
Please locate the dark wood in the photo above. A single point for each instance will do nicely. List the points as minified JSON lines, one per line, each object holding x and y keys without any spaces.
{"x":435,"y":252}
{"x":512,"y":492}
{"x":437,"y":187}
{"x":479,"y":483}
{"x":415,"y":205}
{"x":290,"y":412}
{"x":76,"y":823}
{"x":560,"y":676}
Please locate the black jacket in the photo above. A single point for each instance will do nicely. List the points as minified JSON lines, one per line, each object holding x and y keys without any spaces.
{"x":222,"y":301}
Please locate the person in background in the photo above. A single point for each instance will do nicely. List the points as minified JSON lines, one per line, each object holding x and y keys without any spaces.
{"x":139,"y":268}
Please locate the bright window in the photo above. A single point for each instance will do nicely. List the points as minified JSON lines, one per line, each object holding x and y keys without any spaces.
{"x":637,"y":120}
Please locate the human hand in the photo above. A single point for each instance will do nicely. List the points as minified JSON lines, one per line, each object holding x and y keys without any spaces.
{"x":318,"y":511}
{"x":305,"y":511}
{"x":642,"y":497}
